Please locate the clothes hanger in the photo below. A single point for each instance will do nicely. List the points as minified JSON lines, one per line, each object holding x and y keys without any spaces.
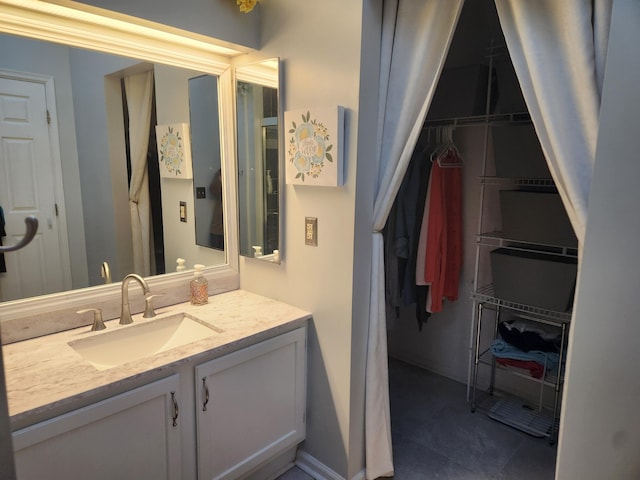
{"x":447,"y":154}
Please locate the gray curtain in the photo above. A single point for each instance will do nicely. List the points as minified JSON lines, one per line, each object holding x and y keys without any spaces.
{"x":558,"y":49}
{"x":139,"y":90}
{"x":415,"y":41}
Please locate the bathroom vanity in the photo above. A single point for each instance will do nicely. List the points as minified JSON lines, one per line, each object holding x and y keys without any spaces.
{"x":228,"y":403}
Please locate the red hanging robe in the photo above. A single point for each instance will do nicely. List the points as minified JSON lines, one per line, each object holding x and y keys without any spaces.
{"x":443,"y":259}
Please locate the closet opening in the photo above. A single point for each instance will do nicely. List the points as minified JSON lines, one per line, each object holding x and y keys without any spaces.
{"x":476,"y":355}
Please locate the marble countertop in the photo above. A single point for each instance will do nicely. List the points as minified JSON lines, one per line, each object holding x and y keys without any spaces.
{"x":45,"y":375}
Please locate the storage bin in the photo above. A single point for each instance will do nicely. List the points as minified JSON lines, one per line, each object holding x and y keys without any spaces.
{"x":517,"y":152}
{"x":534,"y":279}
{"x":538,"y":217}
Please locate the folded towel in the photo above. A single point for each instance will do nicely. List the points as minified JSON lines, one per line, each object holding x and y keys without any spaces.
{"x":502,"y":349}
{"x":535,"y":369}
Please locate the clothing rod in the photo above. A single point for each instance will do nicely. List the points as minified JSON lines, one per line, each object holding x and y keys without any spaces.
{"x":479,"y":120}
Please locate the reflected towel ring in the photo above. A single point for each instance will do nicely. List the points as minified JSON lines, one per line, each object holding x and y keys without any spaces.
{"x":32,"y":228}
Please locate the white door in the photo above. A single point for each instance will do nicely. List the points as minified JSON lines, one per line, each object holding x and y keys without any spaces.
{"x":28,"y":187}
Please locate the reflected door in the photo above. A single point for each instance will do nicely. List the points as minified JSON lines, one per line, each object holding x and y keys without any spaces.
{"x":27,"y":188}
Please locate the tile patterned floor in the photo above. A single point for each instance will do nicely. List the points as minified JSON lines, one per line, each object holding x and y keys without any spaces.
{"x":435,"y":436}
{"x":295,"y":474}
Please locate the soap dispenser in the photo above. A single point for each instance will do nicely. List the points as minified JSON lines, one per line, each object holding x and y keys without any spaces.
{"x":199,"y":286}
{"x":269,"y":182}
{"x":180,"y":265}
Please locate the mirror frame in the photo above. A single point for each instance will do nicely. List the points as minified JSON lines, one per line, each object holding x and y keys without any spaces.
{"x":255,"y":72}
{"x":83,"y":26}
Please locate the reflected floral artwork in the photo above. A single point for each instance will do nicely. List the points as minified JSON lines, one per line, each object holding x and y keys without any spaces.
{"x":313,"y":142}
{"x":246,"y":5}
{"x":174,"y":150}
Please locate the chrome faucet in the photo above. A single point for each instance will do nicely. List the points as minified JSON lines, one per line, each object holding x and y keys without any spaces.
{"x":105,"y":272}
{"x":125,"y":313}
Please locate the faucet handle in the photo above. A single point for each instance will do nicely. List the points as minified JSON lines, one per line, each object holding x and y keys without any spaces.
{"x":148,"y":306}
{"x":98,"y":324}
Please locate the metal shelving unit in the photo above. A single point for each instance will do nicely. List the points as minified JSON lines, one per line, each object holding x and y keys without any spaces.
{"x":499,"y":240}
{"x":533,"y":419}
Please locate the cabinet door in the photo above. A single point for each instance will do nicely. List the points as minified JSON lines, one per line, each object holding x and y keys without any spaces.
{"x":251,"y":407}
{"x":127,"y":436}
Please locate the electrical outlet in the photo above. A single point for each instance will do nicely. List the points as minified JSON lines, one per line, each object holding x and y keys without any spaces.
{"x":311,"y":231}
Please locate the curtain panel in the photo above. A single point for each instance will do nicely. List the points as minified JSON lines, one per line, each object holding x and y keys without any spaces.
{"x":139,"y":91}
{"x":415,"y":41}
{"x":558,"y":49}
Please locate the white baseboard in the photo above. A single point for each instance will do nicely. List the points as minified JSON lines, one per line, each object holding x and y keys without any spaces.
{"x":318,"y":470}
{"x":360,"y":475}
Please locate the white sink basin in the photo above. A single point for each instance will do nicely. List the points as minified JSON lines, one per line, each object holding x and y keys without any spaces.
{"x":140,"y":340}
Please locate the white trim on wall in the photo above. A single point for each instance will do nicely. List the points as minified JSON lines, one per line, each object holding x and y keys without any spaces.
{"x":318,"y":470}
{"x":94,"y":28}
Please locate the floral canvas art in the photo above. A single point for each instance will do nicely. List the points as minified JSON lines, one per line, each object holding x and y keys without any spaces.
{"x":246,"y":5}
{"x":313,"y":146}
{"x":174,"y":150}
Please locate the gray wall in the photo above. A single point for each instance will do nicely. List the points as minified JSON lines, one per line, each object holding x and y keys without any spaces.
{"x":172,"y":97}
{"x":88,"y":70}
{"x":320,"y":45}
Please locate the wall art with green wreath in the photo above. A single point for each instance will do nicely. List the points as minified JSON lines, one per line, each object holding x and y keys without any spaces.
{"x":313,"y":146}
{"x":174,"y":150}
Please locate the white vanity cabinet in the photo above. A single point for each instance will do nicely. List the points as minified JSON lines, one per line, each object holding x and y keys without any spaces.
{"x":136,"y":434}
{"x":228,"y":417}
{"x":251,"y":406}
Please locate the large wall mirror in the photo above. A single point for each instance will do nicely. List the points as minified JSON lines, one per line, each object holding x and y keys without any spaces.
{"x":86,"y":185}
{"x":258,"y":116}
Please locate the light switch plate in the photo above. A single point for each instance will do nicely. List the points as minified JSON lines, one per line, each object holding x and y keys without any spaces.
{"x":311,"y":231}
{"x":183,"y":212}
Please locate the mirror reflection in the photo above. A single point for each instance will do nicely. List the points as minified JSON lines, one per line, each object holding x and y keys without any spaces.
{"x":81,"y":154}
{"x":207,"y":164}
{"x":258,"y":112}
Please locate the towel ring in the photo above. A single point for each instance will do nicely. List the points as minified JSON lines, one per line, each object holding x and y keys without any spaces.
{"x":32,"y":228}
